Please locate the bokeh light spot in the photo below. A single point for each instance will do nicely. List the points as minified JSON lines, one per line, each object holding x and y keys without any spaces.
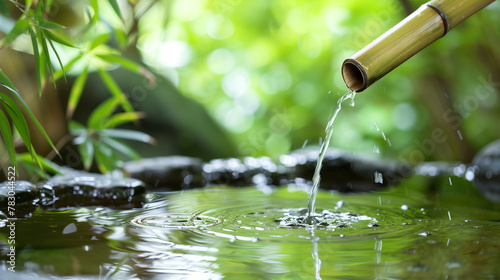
{"x":220,"y":27}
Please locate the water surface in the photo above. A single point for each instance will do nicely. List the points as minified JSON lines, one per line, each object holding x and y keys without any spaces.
{"x":249,"y":233}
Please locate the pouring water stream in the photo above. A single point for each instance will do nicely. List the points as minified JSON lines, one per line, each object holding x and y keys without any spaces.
{"x":311,"y":207}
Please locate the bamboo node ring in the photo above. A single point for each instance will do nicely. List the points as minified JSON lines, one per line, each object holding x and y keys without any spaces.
{"x":443,"y":17}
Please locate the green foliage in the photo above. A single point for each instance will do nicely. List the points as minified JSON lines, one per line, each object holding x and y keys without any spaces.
{"x":267,"y":71}
{"x":99,"y":138}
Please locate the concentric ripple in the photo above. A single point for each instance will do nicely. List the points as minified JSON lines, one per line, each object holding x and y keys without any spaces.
{"x":178,"y":221}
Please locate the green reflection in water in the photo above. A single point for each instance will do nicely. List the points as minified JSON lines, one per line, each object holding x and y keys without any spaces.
{"x":237,"y":233}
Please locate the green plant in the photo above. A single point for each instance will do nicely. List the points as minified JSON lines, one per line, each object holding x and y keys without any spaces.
{"x":89,"y":52}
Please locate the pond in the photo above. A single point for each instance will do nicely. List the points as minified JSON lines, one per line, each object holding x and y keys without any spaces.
{"x":423,"y":228}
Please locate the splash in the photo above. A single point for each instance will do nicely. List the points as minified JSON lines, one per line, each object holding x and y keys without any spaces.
{"x":329,"y":131}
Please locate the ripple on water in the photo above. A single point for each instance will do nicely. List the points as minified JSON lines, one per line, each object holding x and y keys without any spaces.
{"x":175,"y":220}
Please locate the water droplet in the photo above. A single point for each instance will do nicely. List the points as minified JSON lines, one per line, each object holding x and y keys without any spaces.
{"x":376,"y":149}
{"x":450,"y":181}
{"x":449,"y":215}
{"x":459,"y":134}
{"x":305,"y":143}
{"x":378,"y":178}
{"x":424,"y":233}
{"x":404,"y":207}
{"x":376,"y":126}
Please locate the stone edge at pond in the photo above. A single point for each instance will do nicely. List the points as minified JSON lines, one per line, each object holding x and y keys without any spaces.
{"x":341,"y":171}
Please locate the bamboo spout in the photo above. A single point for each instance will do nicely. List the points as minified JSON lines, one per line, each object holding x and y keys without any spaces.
{"x":424,"y":26}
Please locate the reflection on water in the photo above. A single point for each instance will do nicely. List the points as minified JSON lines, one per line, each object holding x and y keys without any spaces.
{"x":250,"y":233}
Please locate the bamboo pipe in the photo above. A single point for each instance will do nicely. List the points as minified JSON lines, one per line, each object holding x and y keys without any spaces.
{"x":424,"y":26}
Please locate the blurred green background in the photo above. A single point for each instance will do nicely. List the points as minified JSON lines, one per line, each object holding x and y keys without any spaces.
{"x":268,"y":75}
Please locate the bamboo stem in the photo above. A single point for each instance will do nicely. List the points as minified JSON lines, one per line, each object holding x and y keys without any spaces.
{"x":427,"y":24}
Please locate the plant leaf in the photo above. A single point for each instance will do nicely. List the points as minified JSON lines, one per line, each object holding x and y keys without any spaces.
{"x":103,"y":156}
{"x":49,"y":24}
{"x":45,"y":52}
{"x":5,"y":80}
{"x":33,"y":118}
{"x":95,"y":7}
{"x":19,"y":28}
{"x":129,"y":65}
{"x":46,"y":164}
{"x":116,"y":8}
{"x":127,"y":134}
{"x":69,"y":65}
{"x":38,"y":64}
{"x":86,"y":149}
{"x":122,"y":148}
{"x":99,"y":40}
{"x":39,"y":11}
{"x":76,"y":92}
{"x":4,"y":9}
{"x":122,"y":118}
{"x":104,"y":110}
{"x":57,"y":56}
{"x":115,"y":90}
{"x":58,"y":39}
{"x":17,"y":118}
{"x":7,"y":137}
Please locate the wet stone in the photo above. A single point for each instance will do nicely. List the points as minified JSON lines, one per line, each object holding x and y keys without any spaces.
{"x":252,"y":171}
{"x":486,"y":168}
{"x":167,"y":173}
{"x":78,"y":188}
{"x":25,"y":194}
{"x":347,"y":172}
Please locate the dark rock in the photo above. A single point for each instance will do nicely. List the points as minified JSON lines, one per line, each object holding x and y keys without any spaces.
{"x":252,"y":171}
{"x":78,"y":188}
{"x":487,"y":171}
{"x":167,"y":173}
{"x":347,"y":172}
{"x":25,"y":198}
{"x":440,"y":168}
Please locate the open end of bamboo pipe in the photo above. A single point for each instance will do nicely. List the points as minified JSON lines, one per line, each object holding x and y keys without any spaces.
{"x":427,"y":24}
{"x":354,"y":75}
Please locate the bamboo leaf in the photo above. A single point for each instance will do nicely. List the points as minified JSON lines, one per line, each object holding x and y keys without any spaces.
{"x":7,"y":137}
{"x":4,"y":9}
{"x":129,"y":65}
{"x":87,"y":153}
{"x":122,"y":118}
{"x":69,"y":65}
{"x":76,"y":92}
{"x":115,"y":90}
{"x":76,"y":126}
{"x":49,"y":24}
{"x":18,"y":120}
{"x":99,"y":41}
{"x":5,"y":80}
{"x":127,"y":134}
{"x":39,"y":11}
{"x":95,"y":7}
{"x":122,"y":148}
{"x":57,"y":56}
{"x":116,"y":8}
{"x":45,"y":52}
{"x":19,"y":28}
{"x":38,"y":64}
{"x":28,"y":4}
{"x":58,"y":39}
{"x":48,"y":4}
{"x":103,"y":111}
{"x":103,"y":156}
{"x":33,"y":118}
{"x":46,"y":164}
